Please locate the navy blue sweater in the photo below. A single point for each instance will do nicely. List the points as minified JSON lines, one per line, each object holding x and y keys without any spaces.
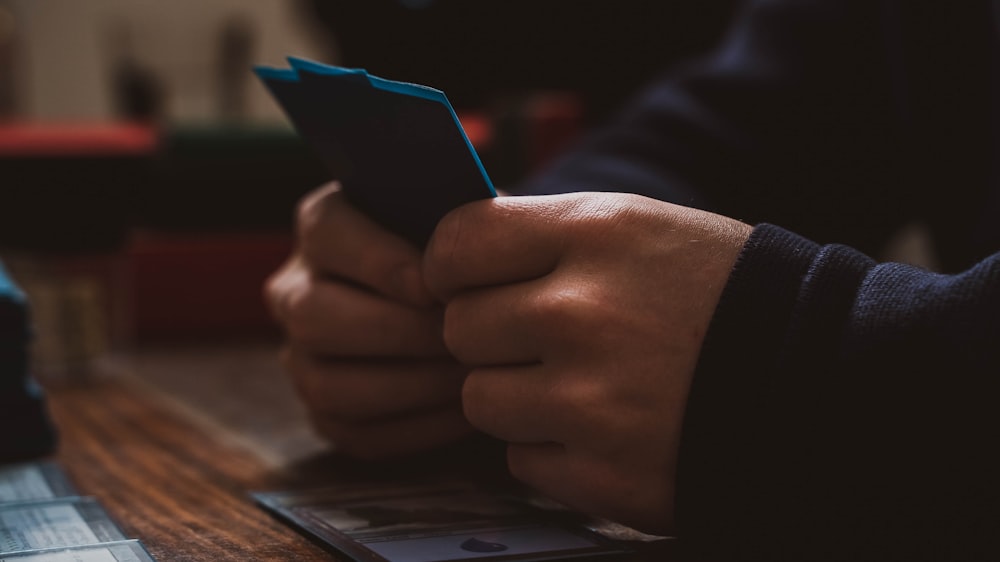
{"x":842,"y":409}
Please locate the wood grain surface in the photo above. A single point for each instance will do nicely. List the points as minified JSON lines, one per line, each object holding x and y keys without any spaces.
{"x":166,"y":482}
{"x":181,"y":485}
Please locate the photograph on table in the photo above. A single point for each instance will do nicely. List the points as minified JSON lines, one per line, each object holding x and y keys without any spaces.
{"x":434,"y":523}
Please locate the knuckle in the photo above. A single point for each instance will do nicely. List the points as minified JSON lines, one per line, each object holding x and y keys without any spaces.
{"x":308,"y":213}
{"x":313,"y":210}
{"x":579,"y":398}
{"x":597,"y":214}
{"x":563,"y":310}
{"x":275,"y":288}
{"x":272,"y":288}
{"x":273,"y":295}
{"x":297,"y":305}
{"x":285,"y":289}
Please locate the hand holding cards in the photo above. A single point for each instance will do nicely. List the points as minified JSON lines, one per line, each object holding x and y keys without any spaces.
{"x":353,"y":292}
{"x":354,"y":289}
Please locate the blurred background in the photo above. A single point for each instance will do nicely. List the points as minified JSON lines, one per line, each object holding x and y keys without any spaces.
{"x":136,"y":142}
{"x":148,"y":182}
{"x":147,"y":179}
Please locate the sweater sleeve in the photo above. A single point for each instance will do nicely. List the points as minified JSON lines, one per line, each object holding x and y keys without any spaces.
{"x":844,"y":410}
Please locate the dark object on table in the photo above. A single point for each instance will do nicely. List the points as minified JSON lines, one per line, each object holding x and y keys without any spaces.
{"x":27,"y":430}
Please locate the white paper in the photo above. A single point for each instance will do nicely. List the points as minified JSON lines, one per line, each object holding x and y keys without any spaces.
{"x":23,"y":482}
{"x":88,"y":555}
{"x":125,"y":551}
{"x":30,"y":527}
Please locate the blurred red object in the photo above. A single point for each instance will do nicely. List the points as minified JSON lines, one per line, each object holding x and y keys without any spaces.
{"x":208,"y":286}
{"x":555,"y":120}
{"x":76,"y":139}
{"x":478,"y":128}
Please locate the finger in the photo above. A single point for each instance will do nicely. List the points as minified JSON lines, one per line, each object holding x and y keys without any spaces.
{"x":492,"y":242}
{"x":332,"y":318}
{"x":525,"y":404}
{"x":339,"y":241}
{"x":397,"y":437}
{"x":283,"y":283}
{"x":539,"y":320}
{"x":496,"y":326}
{"x":363,"y":391}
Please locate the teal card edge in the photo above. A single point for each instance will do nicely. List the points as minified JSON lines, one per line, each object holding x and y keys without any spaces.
{"x":403,"y":88}
{"x":271,"y":73}
{"x":9,"y":290}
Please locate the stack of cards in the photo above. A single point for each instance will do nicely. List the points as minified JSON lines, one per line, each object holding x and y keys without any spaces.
{"x":25,"y":430}
{"x":42,"y":519}
{"x":398,"y":149}
{"x":408,"y":522}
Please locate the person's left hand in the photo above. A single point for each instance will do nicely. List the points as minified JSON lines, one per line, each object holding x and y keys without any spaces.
{"x":583,"y":316}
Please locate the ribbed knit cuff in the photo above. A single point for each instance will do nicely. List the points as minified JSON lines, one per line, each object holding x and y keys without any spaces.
{"x":723,"y":422}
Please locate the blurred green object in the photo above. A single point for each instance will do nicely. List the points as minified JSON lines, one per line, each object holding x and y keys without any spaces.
{"x":71,"y":189}
{"x":25,"y":427}
{"x":224,"y":177}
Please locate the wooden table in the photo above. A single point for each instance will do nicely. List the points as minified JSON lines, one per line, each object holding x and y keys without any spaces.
{"x":166,"y":482}
{"x":178,"y":479}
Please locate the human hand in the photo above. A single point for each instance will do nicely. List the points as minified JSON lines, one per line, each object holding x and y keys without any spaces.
{"x":582,"y":317}
{"x":364,"y":338}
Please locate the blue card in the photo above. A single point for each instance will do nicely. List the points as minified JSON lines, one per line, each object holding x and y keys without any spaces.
{"x":398,"y":149}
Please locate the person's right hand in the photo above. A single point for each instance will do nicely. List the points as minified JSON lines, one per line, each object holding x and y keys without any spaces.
{"x":365,"y":346}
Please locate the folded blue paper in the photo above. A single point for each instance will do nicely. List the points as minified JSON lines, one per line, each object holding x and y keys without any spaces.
{"x":398,"y":149}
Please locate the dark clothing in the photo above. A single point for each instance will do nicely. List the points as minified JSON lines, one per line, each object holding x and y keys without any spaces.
{"x":839,"y":119}
{"x":483,"y":51}
{"x":841,"y":409}
{"x":845,"y":410}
